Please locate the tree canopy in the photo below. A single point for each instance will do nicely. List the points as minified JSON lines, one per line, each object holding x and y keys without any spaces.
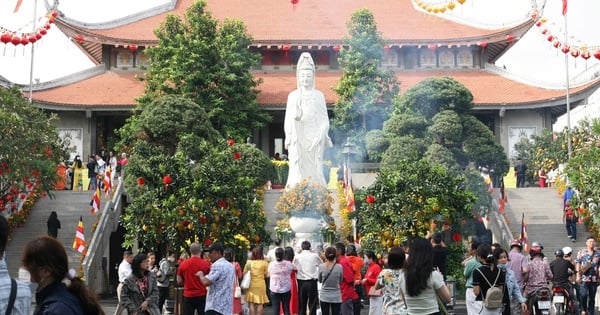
{"x":210,"y":64}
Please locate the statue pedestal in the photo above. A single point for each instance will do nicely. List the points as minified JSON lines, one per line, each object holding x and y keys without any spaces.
{"x":306,"y":229}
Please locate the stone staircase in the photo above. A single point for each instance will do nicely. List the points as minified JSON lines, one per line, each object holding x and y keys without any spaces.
{"x":542,"y":208}
{"x":69,"y":205}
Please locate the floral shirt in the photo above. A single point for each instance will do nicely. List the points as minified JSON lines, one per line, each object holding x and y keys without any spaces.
{"x":537,"y":277}
{"x":219,"y":297}
{"x":392,"y":294}
{"x":584,"y":256}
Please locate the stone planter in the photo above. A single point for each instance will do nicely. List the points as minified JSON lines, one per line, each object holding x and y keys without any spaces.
{"x":306,"y":229}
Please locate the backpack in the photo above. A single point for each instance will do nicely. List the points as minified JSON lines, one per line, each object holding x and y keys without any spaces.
{"x":493,"y":297}
{"x":162,"y":276}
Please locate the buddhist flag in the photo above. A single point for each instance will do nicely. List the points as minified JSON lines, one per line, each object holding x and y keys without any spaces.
{"x":523,"y":238}
{"x":79,"y":243}
{"x":95,"y":203}
{"x":107,"y":181}
{"x":349,"y":192}
{"x":564,"y":8}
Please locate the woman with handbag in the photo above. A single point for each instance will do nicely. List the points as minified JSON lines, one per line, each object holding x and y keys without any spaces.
{"x":237,"y":291}
{"x":369,"y":283}
{"x":330,"y":277}
{"x":256,"y":295}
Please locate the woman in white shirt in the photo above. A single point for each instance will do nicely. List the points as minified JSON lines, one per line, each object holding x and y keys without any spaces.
{"x":280,"y":275}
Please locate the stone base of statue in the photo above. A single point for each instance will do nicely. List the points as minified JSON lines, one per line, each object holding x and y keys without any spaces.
{"x":307,"y":228}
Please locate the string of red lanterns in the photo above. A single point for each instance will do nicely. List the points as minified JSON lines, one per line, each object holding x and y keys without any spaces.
{"x":16,"y":38}
{"x":583,"y":51}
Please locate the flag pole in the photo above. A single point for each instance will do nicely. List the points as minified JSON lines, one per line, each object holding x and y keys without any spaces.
{"x":32,"y":54}
{"x":567,"y":85}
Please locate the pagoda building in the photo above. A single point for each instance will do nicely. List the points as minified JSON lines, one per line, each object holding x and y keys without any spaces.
{"x":95,"y":102}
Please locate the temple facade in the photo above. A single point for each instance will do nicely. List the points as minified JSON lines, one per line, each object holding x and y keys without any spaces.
{"x":93,"y":103}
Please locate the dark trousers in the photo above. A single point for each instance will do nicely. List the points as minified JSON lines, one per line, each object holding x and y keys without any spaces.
{"x":357,"y":306}
{"x":587,"y":293}
{"x":308,"y":295}
{"x":212,"y":312}
{"x":194,"y":304}
{"x":330,"y":308}
{"x":520,"y":180}
{"x":571,"y":227}
{"x":281,"y":301}
{"x":163,"y":292}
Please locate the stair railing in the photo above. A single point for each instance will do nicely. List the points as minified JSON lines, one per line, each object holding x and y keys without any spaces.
{"x":95,"y":263}
{"x":498,"y":225}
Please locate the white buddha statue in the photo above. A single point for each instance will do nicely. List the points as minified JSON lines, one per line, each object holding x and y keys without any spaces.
{"x":306,"y":126}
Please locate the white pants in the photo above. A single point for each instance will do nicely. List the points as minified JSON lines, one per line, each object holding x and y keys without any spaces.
{"x":375,"y":305}
{"x":472,"y":309}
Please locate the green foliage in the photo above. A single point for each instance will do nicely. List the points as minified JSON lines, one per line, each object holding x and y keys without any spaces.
{"x":403,"y":148}
{"x":406,"y":124}
{"x":481,"y":147}
{"x":365,"y":90}
{"x":210,"y":64}
{"x":447,"y":127}
{"x":376,"y":144}
{"x":210,"y":199}
{"x":30,"y":148}
{"x":435,"y":94}
{"x":439,"y":154}
{"x":410,"y":200}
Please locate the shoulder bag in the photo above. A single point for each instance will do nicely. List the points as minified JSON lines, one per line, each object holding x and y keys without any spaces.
{"x":247,"y":277}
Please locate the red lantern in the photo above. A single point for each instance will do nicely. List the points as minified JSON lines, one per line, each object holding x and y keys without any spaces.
{"x":585,"y":55}
{"x":387,"y":48}
{"x":207,"y":241}
{"x":575,"y":52}
{"x":185,"y":222}
{"x":140,"y":181}
{"x":550,"y":38}
{"x":597,"y":54}
{"x":167,"y":180}
{"x":566,"y":49}
{"x":336,"y":48}
{"x":38,"y":35}
{"x":47,"y":26}
{"x":545,"y":31}
{"x":432,"y":47}
{"x":132,"y":48}
{"x":79,"y":38}
{"x":16,"y":40}
{"x":5,"y":38}
{"x":50,"y":20}
{"x":54,"y":14}
{"x":370,"y":199}
{"x":237,"y":155}
{"x":222,"y":203}
{"x":286,"y":48}
{"x":510,"y":38}
{"x":43,"y":31}
{"x":539,"y":23}
{"x":32,"y":39}
{"x":203,"y":220}
{"x":230,"y":142}
{"x":456,"y":237}
{"x":556,"y":44}
{"x":483,"y":44}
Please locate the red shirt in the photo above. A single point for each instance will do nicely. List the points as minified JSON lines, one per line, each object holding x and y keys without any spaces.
{"x":192,"y":287}
{"x":347,"y":286}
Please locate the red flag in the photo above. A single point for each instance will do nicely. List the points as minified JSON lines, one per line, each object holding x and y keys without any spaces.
{"x":95,"y":203}
{"x":17,"y":6}
{"x":564,"y":7}
{"x":523,"y":238}
{"x":79,"y":243}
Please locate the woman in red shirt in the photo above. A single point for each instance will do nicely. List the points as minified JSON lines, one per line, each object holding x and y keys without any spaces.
{"x":369,"y":281}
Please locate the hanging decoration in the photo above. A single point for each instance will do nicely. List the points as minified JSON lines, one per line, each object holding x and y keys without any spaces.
{"x":575,"y":47}
{"x":20,"y":36}
{"x":437,"y":7}
{"x":286,"y":48}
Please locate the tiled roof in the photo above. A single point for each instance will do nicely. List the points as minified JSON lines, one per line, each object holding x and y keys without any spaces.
{"x":118,"y":89}
{"x":318,"y":21}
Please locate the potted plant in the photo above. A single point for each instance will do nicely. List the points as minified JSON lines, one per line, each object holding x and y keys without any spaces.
{"x":282,"y":168}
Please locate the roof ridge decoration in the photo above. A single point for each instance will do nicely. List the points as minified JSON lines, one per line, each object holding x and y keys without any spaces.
{"x":167,"y":7}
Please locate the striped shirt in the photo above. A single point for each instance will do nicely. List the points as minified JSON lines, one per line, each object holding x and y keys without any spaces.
{"x":23,"y":299}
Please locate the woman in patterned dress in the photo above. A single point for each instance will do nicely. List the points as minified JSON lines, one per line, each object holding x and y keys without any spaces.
{"x":389,"y":283}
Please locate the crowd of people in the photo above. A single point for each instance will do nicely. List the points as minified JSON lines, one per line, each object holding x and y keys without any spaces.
{"x":88,"y":176}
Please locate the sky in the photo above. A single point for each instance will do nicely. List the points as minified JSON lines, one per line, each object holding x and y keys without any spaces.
{"x":532,"y":57}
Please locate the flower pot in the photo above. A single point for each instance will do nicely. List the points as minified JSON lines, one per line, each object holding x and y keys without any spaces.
{"x":301,"y":224}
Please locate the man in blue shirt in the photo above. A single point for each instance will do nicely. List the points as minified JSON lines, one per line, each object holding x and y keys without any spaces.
{"x":220,"y":279}
{"x":22,"y":300}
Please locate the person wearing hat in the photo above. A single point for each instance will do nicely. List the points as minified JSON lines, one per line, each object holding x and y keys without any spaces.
{"x":538,"y":273}
{"x":517,"y":262}
{"x":561,"y":271}
{"x":220,"y":280}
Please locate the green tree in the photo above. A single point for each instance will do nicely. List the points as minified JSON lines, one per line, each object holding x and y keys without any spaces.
{"x":30,"y":149}
{"x":365,"y":90}
{"x":210,"y":64}
{"x":189,"y":184}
